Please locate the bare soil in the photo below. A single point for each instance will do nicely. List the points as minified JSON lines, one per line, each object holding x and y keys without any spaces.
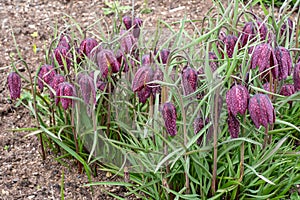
{"x":23,"y":174}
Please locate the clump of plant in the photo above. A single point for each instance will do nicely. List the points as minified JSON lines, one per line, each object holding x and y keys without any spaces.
{"x":208,"y":114}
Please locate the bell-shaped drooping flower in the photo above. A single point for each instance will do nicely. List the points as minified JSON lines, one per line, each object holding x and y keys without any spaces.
{"x":163,"y":56}
{"x":144,"y":94}
{"x":237,"y":100}
{"x":128,"y":43}
{"x":57,"y":79}
{"x":250,"y":32}
{"x":64,"y":42}
{"x":87,"y":88}
{"x":264,"y":57}
{"x":296,"y":77}
{"x":88,"y":91}
{"x":284,"y":62}
{"x":65,"y":89}
{"x":198,"y":126}
{"x":127,"y":22}
{"x":286,"y":29}
{"x":213,"y":63}
{"x":229,"y":42}
{"x":86,"y":47}
{"x":146,"y":60}
{"x":261,"y":110}
{"x":121,"y":58}
{"x":169,"y":116}
{"x":143,"y":76}
{"x":137,"y":23}
{"x":14,"y":85}
{"x":158,"y":76}
{"x":287,"y":90}
{"x":63,"y":57}
{"x":45,"y":74}
{"x":189,"y":80}
{"x":107,"y":62}
{"x":233,"y":125}
{"x":266,"y":86}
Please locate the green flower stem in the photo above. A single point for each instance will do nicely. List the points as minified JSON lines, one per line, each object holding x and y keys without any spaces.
{"x":242,"y":152}
{"x":215,"y":142}
{"x":187,"y":180}
{"x":265,"y":138}
{"x":75,"y":139}
{"x":33,"y":92}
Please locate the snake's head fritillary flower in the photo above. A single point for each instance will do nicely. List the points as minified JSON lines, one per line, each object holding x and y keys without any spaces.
{"x":264,"y":57}
{"x":57,"y":79}
{"x":87,"y":88}
{"x":163,"y":56}
{"x":144,"y":94}
{"x":189,"y":80}
{"x":229,"y":42}
{"x":107,"y":62}
{"x":158,"y":76}
{"x":86,"y":47}
{"x":142,"y":77}
{"x":45,"y":74}
{"x":261,"y":110}
{"x":65,"y":89}
{"x":296,"y":77}
{"x":233,"y":126}
{"x":14,"y":85}
{"x":286,"y":29}
{"x":250,"y":32}
{"x":63,"y":57}
{"x":284,"y":62}
{"x":127,"y":42}
{"x":169,"y":116}
{"x":237,"y":100}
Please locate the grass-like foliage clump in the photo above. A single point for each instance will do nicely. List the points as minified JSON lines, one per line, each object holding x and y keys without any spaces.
{"x":195,"y":109}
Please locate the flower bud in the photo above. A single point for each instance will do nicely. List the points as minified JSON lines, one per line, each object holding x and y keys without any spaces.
{"x":189,"y":80}
{"x":169,"y":115}
{"x":65,"y":89}
{"x":233,"y":125}
{"x":14,"y":85}
{"x":296,"y":77}
{"x":264,"y":57}
{"x":142,"y":77}
{"x":261,"y":110}
{"x":237,"y":100}
{"x":284,"y":62}
{"x":46,"y":75}
{"x":107,"y":62}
